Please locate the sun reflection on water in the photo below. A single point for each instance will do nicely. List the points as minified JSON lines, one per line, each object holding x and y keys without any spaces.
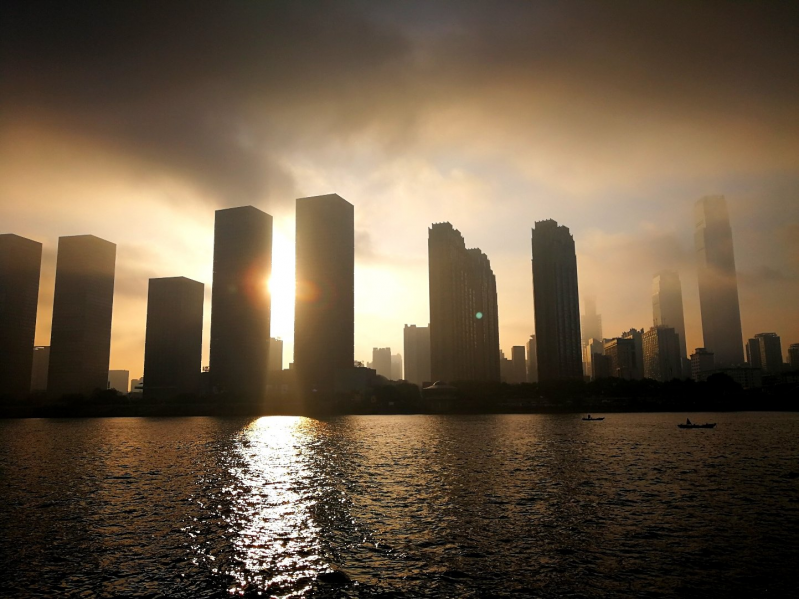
{"x":275,"y":539}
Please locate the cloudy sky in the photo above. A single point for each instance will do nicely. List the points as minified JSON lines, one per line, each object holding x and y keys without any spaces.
{"x":135,"y":121}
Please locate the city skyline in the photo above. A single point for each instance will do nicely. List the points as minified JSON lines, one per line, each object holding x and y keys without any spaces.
{"x":480,"y":115}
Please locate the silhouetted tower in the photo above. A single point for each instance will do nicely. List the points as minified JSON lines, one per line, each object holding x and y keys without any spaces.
{"x":532,"y":360}
{"x":667,"y":305}
{"x":556,"y":301}
{"x":174,"y":337}
{"x":718,"y":283}
{"x":591,"y":322}
{"x":464,"y":327}
{"x":80,"y":342}
{"x":417,"y":354}
{"x":324,"y":342}
{"x":20,"y":267}
{"x":381,"y":361}
{"x":793,"y":356}
{"x":240,"y":301}
{"x":662,"y":360}
{"x":765,"y":351}
{"x":519,"y":364}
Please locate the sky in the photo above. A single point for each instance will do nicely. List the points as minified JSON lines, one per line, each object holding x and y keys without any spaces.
{"x":135,"y":121}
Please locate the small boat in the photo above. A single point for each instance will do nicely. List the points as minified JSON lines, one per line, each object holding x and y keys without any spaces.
{"x":593,"y":419}
{"x":689,"y":424}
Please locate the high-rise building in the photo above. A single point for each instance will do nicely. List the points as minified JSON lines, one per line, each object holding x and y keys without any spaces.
{"x":532,"y":361}
{"x":464,"y":327}
{"x":765,"y":351}
{"x":41,"y":362}
{"x":591,"y":322}
{"x":324,"y":343}
{"x":591,"y":370}
{"x":20,"y":266}
{"x":381,"y":361}
{"x":80,"y":341}
{"x":519,"y":364}
{"x":396,"y":367}
{"x":637,"y":335}
{"x":417,"y":354}
{"x":505,"y":368}
{"x":701,"y":361}
{"x":793,"y":356}
{"x":173,"y":338}
{"x":119,"y":380}
{"x":275,"y":355}
{"x":623,"y":360}
{"x":662,"y":360}
{"x":718,"y":283}
{"x":667,"y":305}
{"x":556,"y":300}
{"x":240,"y":301}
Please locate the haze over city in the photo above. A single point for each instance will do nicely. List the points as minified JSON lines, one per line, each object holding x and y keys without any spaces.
{"x":135,"y":123}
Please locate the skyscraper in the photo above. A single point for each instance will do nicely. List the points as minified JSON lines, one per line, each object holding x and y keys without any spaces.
{"x":80,"y":342}
{"x":667,"y":305}
{"x":556,"y":302}
{"x":532,"y":361}
{"x":765,"y":351}
{"x":275,"y":355}
{"x":662,"y":360}
{"x":381,"y":361}
{"x":417,"y":354}
{"x":240,"y":301}
{"x":793,"y":356}
{"x":324,"y":342}
{"x":464,"y":327}
{"x":519,"y":364}
{"x":591,"y":322}
{"x":20,"y":266}
{"x":174,"y":337}
{"x":623,"y":359}
{"x":396,"y":367}
{"x":718,"y":283}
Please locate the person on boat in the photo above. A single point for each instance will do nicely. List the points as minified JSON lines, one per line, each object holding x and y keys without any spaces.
{"x":588,"y":417}
{"x":687,"y":421}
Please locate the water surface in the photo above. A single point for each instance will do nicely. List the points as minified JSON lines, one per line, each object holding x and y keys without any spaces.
{"x":406,"y":506}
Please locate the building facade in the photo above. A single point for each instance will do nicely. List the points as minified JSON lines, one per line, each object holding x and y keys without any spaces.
{"x":83,"y":302}
{"x":662,"y":361}
{"x":718,"y":282}
{"x":556,"y":302}
{"x":702,"y":361}
{"x":519,"y":360}
{"x":532,"y":361}
{"x":667,"y":308}
{"x":765,"y":351}
{"x":119,"y":380}
{"x":20,"y":268}
{"x":324,"y":342}
{"x":464,"y":326}
{"x":173,"y":338}
{"x":240,"y":301}
{"x":623,"y":360}
{"x":793,"y":356}
{"x":417,"y":354}
{"x":275,"y":355}
{"x":41,"y":362}
{"x":381,"y":361}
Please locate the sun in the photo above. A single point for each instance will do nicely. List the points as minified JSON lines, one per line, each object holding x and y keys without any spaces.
{"x":281,"y":287}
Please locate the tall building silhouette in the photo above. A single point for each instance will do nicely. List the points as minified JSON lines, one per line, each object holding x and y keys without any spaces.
{"x":119,"y":380}
{"x":519,"y":359}
{"x":667,"y":305}
{"x":20,"y":267}
{"x":396,"y":367}
{"x":793,"y":356}
{"x":417,"y":354}
{"x":718,"y":283}
{"x":556,"y":302}
{"x":591,"y":322}
{"x":623,"y":360}
{"x":80,"y":341}
{"x":275,"y":354}
{"x":41,"y":362}
{"x":381,"y":361}
{"x":765,"y":351}
{"x":240,"y":301}
{"x":532,"y":360}
{"x":174,"y":337}
{"x":324,"y":315}
{"x":464,"y":327}
{"x":662,"y":360}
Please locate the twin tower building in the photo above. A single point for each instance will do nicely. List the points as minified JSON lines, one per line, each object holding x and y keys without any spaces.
{"x":240,"y":308}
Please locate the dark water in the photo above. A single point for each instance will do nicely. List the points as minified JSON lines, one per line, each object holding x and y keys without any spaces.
{"x":407,"y":506}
